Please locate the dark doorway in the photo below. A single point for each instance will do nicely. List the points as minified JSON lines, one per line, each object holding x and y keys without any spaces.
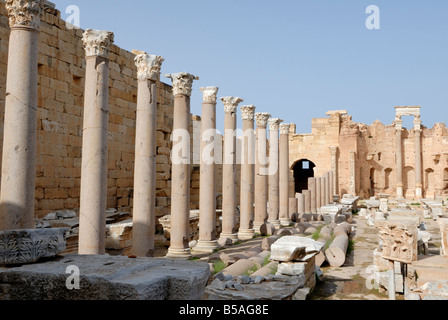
{"x":303,"y":170}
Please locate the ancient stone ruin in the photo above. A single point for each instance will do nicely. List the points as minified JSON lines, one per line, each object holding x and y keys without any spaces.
{"x":105,"y":172}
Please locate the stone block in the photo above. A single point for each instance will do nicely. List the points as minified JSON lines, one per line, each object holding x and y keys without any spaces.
{"x":104,"y":277}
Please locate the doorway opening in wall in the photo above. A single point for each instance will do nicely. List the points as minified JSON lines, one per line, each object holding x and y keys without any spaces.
{"x":303,"y":169}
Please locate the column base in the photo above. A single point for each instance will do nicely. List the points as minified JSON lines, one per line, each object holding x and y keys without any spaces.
{"x":206,"y":246}
{"x":179,"y":253}
{"x":276,"y":223}
{"x":225,"y":238}
{"x":246,"y":234}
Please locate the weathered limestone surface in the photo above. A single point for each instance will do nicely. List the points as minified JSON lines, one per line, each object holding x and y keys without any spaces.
{"x":106,"y":278}
{"x":30,"y":245}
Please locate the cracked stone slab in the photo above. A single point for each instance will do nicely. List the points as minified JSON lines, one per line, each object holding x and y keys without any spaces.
{"x":104,"y":277}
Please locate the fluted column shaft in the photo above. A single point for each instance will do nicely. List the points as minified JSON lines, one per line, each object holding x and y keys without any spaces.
{"x":283,"y":168}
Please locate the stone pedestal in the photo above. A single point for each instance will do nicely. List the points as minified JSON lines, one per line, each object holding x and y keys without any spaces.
{"x":181,"y":162}
{"x":284,"y":175}
{"x":228,"y":175}
{"x":273,"y":212}
{"x":20,"y":123}
{"x":208,"y":241}
{"x":144,"y":217}
{"x":261,"y":171}
{"x":93,"y":195}
{"x":246,"y":230}
{"x":312,"y":189}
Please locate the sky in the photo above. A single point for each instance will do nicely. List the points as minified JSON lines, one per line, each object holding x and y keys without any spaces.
{"x":296,"y":59}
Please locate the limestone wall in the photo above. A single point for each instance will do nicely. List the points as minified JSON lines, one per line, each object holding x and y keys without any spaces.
{"x":60,"y":111}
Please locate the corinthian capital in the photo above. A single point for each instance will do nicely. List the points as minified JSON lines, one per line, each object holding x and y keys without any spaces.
{"x":248,"y":112}
{"x":274,"y":123}
{"x":333,"y":150}
{"x":209,"y":94}
{"x":284,"y":128}
{"x":262,"y":119}
{"x":97,"y":42}
{"x":182,"y":83}
{"x":148,"y":66}
{"x":231,"y":103}
{"x":24,"y":13}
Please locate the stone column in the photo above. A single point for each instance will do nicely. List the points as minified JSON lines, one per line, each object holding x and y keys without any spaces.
{"x":334,"y":169}
{"x":261,"y":177}
{"x":181,"y":162}
{"x":228,"y":171}
{"x":273,"y":212}
{"x":208,"y":240}
{"x":292,"y":207}
{"x":20,"y":123}
{"x":307,"y":196}
{"x":143,"y":216}
{"x":246,"y":230}
{"x":418,"y":158}
{"x":352,"y":187}
{"x":399,"y":157}
{"x":318,"y":192}
{"x":300,"y":204}
{"x":312,"y":189}
{"x":92,"y":212}
{"x":283,"y":168}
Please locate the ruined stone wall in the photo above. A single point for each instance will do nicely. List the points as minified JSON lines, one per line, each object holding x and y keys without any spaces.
{"x":375,"y":151}
{"x":60,"y":111}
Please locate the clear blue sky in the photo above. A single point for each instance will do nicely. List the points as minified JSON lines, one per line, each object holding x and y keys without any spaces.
{"x":296,"y":59}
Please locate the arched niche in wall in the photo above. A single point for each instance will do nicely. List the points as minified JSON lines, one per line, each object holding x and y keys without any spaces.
{"x":303,"y":169}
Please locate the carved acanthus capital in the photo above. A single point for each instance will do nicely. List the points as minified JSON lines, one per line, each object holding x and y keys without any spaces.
{"x":24,"y":13}
{"x":274,"y":123}
{"x":248,"y":112}
{"x":399,"y":241}
{"x":231,"y":103}
{"x":262,"y":119}
{"x":148,"y":66}
{"x":97,"y":42}
{"x":182,"y":82}
{"x":284,"y":128}
{"x":209,"y":94}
